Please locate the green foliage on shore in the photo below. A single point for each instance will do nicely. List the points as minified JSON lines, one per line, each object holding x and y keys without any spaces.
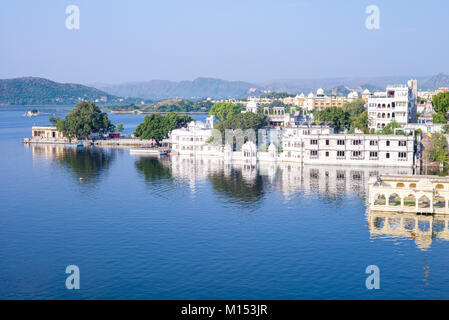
{"x":224,"y":110}
{"x":84,"y":119}
{"x":276,"y":95}
{"x":438,"y":152}
{"x":441,"y":107}
{"x":389,"y":128}
{"x":353,"y":115}
{"x":156,"y":127}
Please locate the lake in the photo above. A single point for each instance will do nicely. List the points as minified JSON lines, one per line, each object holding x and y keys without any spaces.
{"x":190,"y":228}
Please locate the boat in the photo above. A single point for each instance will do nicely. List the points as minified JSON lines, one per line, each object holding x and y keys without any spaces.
{"x":80,"y":145}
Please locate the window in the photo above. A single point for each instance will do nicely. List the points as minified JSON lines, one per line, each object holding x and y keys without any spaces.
{"x":313,"y":141}
{"x":314,"y":153}
{"x":356,"y":142}
{"x":327,"y":142}
{"x":402,"y":143}
{"x":327,"y":153}
{"x":340,"y":154}
{"x":387,"y":155}
{"x":373,"y":143}
{"x":373,"y":154}
{"x":402,"y":155}
{"x":388,"y":143}
{"x":356,"y":153}
{"x":341,"y":142}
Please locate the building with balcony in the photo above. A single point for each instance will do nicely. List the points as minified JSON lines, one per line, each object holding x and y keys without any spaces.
{"x":398,"y":103}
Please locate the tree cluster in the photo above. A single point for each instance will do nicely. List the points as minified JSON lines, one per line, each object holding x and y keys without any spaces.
{"x":156,"y":127}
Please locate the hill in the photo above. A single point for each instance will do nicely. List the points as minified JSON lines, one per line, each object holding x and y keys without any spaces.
{"x":197,"y":89}
{"x":437,"y":81}
{"x":33,"y":90}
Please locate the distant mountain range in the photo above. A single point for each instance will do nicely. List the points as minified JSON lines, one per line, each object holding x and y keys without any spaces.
{"x":217,"y":88}
{"x":196,"y":89}
{"x":33,"y":90}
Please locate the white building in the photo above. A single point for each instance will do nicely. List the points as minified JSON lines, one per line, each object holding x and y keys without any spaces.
{"x":319,"y":145}
{"x":397,"y":103}
{"x":193,"y":140}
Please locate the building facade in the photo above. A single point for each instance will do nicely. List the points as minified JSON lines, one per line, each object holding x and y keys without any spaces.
{"x":398,"y":103}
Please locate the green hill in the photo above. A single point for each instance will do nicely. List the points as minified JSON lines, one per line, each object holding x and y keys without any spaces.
{"x":32,"y":90}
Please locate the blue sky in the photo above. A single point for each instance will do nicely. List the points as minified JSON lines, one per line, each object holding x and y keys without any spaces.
{"x":136,"y":40}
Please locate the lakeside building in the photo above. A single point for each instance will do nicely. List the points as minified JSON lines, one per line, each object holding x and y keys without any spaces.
{"x":48,"y":134}
{"x":306,"y":144}
{"x":320,"y":145}
{"x":398,"y":103}
{"x":321,"y":101}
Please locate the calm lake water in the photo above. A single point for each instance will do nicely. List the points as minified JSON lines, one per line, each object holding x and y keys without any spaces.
{"x":140,"y":228}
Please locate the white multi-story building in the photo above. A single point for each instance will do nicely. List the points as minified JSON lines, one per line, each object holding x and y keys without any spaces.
{"x":193,"y":140}
{"x":397,"y":103}
{"x":319,"y":145}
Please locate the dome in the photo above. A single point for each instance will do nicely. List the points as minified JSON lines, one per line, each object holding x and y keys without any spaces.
{"x":320,"y":92}
{"x":366,"y":91}
{"x":301,"y":95}
{"x":311,"y":95}
{"x":350,"y":95}
{"x":355,"y":94}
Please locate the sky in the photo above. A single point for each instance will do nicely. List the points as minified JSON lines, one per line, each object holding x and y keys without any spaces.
{"x":248,"y":40}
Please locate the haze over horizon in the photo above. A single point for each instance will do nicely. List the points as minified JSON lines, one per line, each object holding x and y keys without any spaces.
{"x":254,"y":41}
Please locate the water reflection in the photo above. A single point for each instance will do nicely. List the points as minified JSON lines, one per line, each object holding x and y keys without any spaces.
{"x":246,"y":184}
{"x":88,"y":164}
{"x":421,"y":228}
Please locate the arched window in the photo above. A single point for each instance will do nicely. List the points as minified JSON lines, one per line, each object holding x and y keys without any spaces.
{"x":400,"y":185}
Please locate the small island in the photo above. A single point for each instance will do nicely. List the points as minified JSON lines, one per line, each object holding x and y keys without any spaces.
{"x":32,"y":113}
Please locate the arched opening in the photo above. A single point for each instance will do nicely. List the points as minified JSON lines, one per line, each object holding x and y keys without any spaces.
{"x":394,"y":200}
{"x":400,"y":185}
{"x":394,"y":223}
{"x":424,"y":226}
{"x":380,"y":200}
{"x":439,"y":186}
{"x":423,"y":202}
{"x":410,"y":201}
{"x":379,"y":223}
{"x":438,"y":226}
{"x":409,"y":224}
{"x":412,"y":185}
{"x":439,"y":202}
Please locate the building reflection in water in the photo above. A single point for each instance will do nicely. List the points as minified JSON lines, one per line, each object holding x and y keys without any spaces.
{"x":421,"y":228}
{"x":247,"y":184}
{"x":87,"y":163}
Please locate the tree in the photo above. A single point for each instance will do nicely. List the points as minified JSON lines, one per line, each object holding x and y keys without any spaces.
{"x":224,"y":110}
{"x":339,"y":118}
{"x":243,"y":121}
{"x":84,"y":119}
{"x":389,"y":128}
{"x":438,"y":150}
{"x":354,"y":108}
{"x":120,"y":127}
{"x":445,"y":129}
{"x":156,"y":127}
{"x":361,"y":122}
{"x":441,"y":107}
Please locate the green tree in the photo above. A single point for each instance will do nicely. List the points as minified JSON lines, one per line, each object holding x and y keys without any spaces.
{"x":224,"y":110}
{"x":361,"y":122}
{"x":389,"y":128}
{"x":441,"y":107}
{"x":242,"y":121}
{"x":438,"y":150}
{"x":156,"y":127}
{"x":445,"y":129}
{"x":120,"y":127}
{"x":84,"y":119}
{"x":354,"y":108}
{"x":338,"y":117}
